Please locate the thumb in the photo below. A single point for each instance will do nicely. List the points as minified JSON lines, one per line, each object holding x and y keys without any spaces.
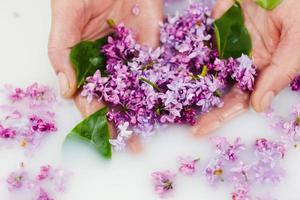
{"x":284,"y":67}
{"x":64,"y":35}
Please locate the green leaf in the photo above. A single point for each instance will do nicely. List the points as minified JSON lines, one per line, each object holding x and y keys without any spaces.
{"x":268,"y":4}
{"x":94,"y":130}
{"x":87,"y":59}
{"x":232,"y":37}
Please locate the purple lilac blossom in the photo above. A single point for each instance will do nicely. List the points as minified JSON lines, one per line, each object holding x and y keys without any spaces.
{"x":7,"y":133}
{"x":289,"y":127}
{"x":40,"y":95}
{"x":241,"y":192}
{"x":44,"y":173}
{"x":163,"y":182}
{"x":245,"y":73}
{"x":227,"y":151}
{"x":16,"y":180}
{"x":295,"y":84}
{"x":187,"y":165}
{"x":39,"y":125}
{"x":17,"y":95}
{"x":269,"y":155}
{"x":43,"y":195}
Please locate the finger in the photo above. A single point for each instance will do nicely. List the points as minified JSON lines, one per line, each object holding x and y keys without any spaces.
{"x":261,"y":54}
{"x":146,"y":26}
{"x":86,"y":109}
{"x":134,"y":144}
{"x":236,"y":102}
{"x":221,"y":7}
{"x":65,"y":33}
{"x":285,"y":65}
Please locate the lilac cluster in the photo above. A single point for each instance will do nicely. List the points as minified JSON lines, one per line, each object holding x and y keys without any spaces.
{"x":28,"y":116}
{"x":47,"y":182}
{"x":170,"y":84}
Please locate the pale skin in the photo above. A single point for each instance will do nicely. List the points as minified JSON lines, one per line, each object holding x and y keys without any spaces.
{"x":275,"y":36}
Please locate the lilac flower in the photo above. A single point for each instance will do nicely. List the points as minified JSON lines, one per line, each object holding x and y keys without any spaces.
{"x":17,"y":95}
{"x":226,"y":150}
{"x":289,"y":128}
{"x":295,"y":84}
{"x":232,"y":151}
{"x":44,"y":173}
{"x":267,"y":167}
{"x":270,"y":150}
{"x":39,"y":125}
{"x":187,"y":165}
{"x":123,"y":135}
{"x":7,"y":133}
{"x":245,"y":73}
{"x":40,"y":95}
{"x":241,"y":192}
{"x":214,"y":171}
{"x":118,"y":144}
{"x":16,"y":180}
{"x":43,"y":195}
{"x":94,"y":86}
{"x":241,"y":173}
{"x":123,"y":130}
{"x":163,"y":182}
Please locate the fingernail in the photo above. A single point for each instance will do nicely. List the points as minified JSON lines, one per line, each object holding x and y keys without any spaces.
{"x":63,"y":83}
{"x":267,"y":100}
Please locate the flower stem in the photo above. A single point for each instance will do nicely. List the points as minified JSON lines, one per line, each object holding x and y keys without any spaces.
{"x":204,"y":71}
{"x":150,"y":83}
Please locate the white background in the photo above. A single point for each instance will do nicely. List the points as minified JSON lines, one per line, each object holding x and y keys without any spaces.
{"x":24,"y":27}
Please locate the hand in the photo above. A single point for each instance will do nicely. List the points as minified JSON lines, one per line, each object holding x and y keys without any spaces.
{"x":276,"y":42}
{"x":77,"y":20}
